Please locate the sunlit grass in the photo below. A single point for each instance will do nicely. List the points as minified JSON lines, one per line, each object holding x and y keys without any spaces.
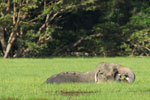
{"x":23,"y":79}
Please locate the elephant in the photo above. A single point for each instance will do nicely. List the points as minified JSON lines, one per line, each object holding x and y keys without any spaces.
{"x":104,"y":72}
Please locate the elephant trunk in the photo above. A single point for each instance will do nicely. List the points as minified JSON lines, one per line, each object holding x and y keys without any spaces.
{"x":130,"y":78}
{"x":129,"y":75}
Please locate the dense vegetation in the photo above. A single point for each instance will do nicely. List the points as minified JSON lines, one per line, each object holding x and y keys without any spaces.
{"x":22,"y":79}
{"x":35,"y":28}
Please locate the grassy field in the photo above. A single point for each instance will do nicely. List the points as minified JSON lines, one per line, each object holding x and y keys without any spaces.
{"x":22,"y":79}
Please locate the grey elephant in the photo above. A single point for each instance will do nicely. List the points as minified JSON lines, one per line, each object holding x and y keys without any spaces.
{"x":103,"y":73}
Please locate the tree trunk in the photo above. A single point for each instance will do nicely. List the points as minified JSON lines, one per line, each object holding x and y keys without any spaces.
{"x":2,"y":40}
{"x":19,"y":45}
{"x":13,"y":34}
{"x":9,"y":45}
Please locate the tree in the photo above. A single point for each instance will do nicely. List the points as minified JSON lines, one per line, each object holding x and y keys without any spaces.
{"x":12,"y":13}
{"x":33,"y":28}
{"x":18,"y":17}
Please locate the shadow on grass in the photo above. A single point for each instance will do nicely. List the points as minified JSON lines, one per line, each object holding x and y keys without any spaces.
{"x":20,"y":99}
{"x":76,"y":93}
{"x":9,"y":99}
{"x":71,"y":93}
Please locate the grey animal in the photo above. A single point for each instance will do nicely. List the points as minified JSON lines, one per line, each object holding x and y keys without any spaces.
{"x":103,"y":73}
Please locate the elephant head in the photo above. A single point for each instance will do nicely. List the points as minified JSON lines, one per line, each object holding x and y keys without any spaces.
{"x":105,"y":72}
{"x":112,"y":71}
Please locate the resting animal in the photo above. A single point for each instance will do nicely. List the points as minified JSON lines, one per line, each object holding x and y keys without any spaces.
{"x":103,"y":73}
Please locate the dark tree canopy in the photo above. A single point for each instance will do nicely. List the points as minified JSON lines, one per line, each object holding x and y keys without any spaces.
{"x":43,"y":28}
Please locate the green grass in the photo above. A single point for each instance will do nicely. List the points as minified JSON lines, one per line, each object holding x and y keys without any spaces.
{"x":23,"y":79}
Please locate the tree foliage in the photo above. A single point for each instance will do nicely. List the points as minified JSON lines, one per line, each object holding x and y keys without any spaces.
{"x":37,"y":28}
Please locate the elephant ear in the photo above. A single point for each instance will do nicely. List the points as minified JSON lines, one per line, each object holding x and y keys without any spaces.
{"x":111,"y":75}
{"x":108,"y":74}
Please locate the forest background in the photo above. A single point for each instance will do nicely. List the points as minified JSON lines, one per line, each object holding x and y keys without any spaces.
{"x":44,"y":28}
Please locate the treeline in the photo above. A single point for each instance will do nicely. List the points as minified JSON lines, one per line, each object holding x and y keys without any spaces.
{"x":43,"y":28}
